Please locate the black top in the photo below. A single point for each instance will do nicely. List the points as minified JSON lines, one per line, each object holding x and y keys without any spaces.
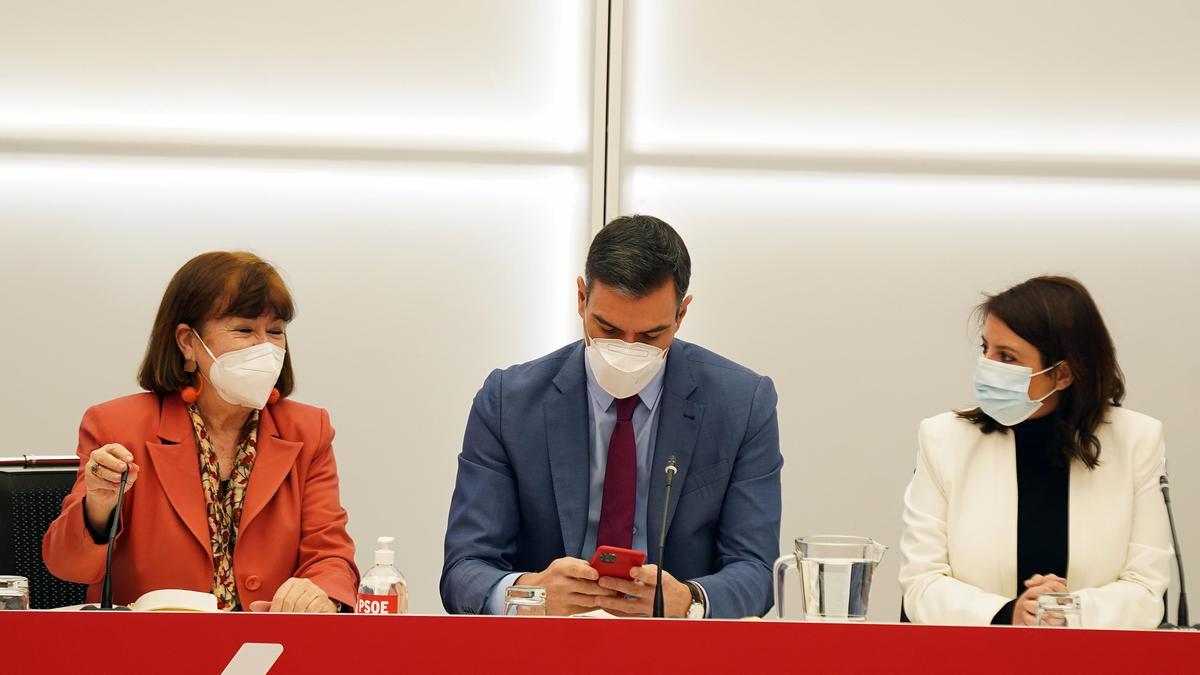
{"x":1043,"y":499}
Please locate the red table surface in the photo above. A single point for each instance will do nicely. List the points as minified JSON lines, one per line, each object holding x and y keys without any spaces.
{"x":127,"y":642}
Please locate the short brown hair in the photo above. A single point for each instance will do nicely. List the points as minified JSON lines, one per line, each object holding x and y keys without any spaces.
{"x":210,"y":286}
{"x":1058,"y":316}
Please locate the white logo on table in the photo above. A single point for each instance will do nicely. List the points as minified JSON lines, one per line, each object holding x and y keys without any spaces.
{"x":254,"y":658}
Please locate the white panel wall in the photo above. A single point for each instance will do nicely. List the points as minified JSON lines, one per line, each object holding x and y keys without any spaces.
{"x":419,"y":171}
{"x":455,"y":74}
{"x":851,"y":176}
{"x":1114,"y":78}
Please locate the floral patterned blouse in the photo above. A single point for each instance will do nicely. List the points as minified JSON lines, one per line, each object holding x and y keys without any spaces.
{"x":224,"y":502}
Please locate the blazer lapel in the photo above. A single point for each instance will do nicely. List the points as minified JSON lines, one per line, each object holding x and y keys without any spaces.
{"x":275,"y":460}
{"x":566,"y":415}
{"x":1003,"y":470}
{"x":1086,"y":511}
{"x":678,"y":431}
{"x":177,"y":466}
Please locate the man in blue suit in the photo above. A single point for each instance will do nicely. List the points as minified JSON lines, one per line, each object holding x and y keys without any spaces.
{"x":567,"y":453}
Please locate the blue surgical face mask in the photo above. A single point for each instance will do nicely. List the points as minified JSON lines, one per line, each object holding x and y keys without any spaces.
{"x":1002,"y":390}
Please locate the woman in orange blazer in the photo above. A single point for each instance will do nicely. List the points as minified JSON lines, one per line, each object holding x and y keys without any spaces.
{"x":236,"y":486}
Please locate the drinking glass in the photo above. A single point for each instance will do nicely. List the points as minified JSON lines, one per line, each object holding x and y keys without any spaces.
{"x":1059,"y":610}
{"x":525,"y":601}
{"x":14,"y":592}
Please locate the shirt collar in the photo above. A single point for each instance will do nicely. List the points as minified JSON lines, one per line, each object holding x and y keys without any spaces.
{"x":649,"y":395}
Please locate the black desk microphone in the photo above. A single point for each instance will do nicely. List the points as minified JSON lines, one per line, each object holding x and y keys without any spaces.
{"x":662,"y":538}
{"x":106,"y":589}
{"x":1181,"y":618}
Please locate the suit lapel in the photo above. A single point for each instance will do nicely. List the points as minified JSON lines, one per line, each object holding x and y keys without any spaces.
{"x":1081,"y":507}
{"x":678,"y":431}
{"x":1004,"y":451}
{"x":566,"y":415}
{"x":275,"y":460}
{"x":177,"y":466}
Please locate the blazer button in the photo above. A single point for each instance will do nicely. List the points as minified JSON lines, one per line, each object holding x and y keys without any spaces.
{"x":253,"y":583}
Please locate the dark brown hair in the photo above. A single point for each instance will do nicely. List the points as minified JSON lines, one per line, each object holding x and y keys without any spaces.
{"x":213,"y":286}
{"x":636,"y":255}
{"x":1058,"y":316}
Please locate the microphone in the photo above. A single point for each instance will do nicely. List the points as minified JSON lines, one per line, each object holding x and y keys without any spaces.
{"x":1181,"y":618}
{"x":106,"y":603}
{"x":671,"y":470}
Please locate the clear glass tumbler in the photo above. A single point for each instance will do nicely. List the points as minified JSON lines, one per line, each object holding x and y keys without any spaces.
{"x":525,"y":601}
{"x":1059,"y":610}
{"x":14,"y":592}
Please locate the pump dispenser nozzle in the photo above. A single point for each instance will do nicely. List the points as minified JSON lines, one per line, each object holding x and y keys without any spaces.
{"x":385,"y":555}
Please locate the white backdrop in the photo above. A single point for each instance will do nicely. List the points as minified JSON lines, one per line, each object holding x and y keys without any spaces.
{"x":849,"y":178}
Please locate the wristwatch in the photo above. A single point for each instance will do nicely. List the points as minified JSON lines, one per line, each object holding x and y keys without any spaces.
{"x":696,"y":609}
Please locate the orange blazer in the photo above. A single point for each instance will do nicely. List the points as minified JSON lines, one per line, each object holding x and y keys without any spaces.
{"x":293,"y":523}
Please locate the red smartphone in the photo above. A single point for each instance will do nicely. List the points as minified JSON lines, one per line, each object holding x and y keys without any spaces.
{"x":611,"y":561}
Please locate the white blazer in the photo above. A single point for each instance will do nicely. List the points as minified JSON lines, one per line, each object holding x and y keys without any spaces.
{"x":959,"y":547}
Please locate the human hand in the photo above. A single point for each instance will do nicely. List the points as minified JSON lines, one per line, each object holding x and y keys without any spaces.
{"x":102,"y":479}
{"x":297,"y":595}
{"x":570,"y":585}
{"x":1026,"y":606}
{"x":636,"y":597}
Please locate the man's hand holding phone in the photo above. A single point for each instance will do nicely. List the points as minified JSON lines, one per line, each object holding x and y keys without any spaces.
{"x":636,"y":597}
{"x":624,"y":572}
{"x":570,"y":585}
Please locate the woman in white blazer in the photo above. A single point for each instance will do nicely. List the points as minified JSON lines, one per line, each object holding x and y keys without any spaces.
{"x":1048,"y":485}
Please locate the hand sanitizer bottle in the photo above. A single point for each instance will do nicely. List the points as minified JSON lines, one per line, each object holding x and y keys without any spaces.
{"x":383,"y":589}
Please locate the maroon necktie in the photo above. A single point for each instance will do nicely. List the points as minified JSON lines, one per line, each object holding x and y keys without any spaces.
{"x":620,"y":481}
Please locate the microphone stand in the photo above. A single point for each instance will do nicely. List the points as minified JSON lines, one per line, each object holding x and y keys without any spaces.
{"x":106,"y":603}
{"x":671,"y":470}
{"x":1181,"y":618}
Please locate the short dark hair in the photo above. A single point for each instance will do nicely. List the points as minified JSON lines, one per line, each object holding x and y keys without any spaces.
{"x":213,"y":285}
{"x":1058,"y":316}
{"x":636,"y":255}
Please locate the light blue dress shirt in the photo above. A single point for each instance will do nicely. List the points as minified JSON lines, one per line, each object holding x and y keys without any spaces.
{"x":602,"y":417}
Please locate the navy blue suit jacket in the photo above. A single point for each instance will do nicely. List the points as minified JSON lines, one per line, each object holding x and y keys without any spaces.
{"x":521,"y":497}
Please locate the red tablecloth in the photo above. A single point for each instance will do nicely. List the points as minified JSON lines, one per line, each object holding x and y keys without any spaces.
{"x":92,"y":642}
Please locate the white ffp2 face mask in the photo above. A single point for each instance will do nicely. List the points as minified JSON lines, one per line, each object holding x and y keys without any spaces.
{"x":1002,"y":390}
{"x":246,"y":376}
{"x":623,"y":368}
